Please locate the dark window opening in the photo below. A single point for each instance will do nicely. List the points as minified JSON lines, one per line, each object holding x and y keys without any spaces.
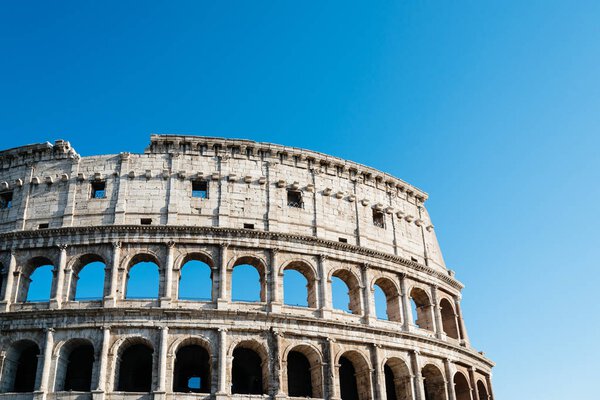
{"x":79,"y":369}
{"x":192,"y":370}
{"x":26,"y":369}
{"x":414,"y":259}
{"x":200,"y":189}
{"x":294,"y":199}
{"x":6,"y":200}
{"x":135,"y":370}
{"x":246,"y":372}
{"x":343,"y":240}
{"x":98,"y":190}
{"x":390,"y":384}
{"x":299,"y":379}
{"x":248,"y":226}
{"x":379,"y":219}
{"x":146,"y":221}
{"x":44,"y":226}
{"x":348,"y":384}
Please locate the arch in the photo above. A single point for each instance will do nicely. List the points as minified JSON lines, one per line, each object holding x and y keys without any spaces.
{"x":20,"y":367}
{"x":303,"y":371}
{"x":3,"y":272}
{"x":434,"y":383}
{"x":249,"y":368}
{"x":449,"y":319}
{"x":143,"y":277}
{"x":423,"y":307}
{"x":135,"y":365}
{"x":482,"y":390}
{"x":196,"y":278}
{"x":293,"y":291}
{"x":192,"y":370}
{"x":249,"y":268}
{"x":398,"y":379}
{"x":462,"y":390}
{"x":36,"y":280}
{"x":75,"y":364}
{"x":392,"y":300}
{"x":87,"y":280}
{"x":354,"y":376}
{"x":352,"y":284}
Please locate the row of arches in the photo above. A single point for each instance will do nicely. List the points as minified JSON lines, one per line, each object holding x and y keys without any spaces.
{"x":193,"y":367}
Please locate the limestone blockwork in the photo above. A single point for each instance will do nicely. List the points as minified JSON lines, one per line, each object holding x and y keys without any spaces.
{"x":224,"y":205}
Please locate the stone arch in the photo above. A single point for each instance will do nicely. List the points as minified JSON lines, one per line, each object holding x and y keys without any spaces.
{"x":354,"y":376}
{"x":424,"y":308}
{"x":352,"y":282}
{"x":74,"y":365}
{"x":134,"y":364}
{"x":310,"y":274}
{"x":482,"y":390}
{"x":249,"y":368}
{"x":132,"y":262}
{"x":449,"y":319}
{"x":191,"y":365}
{"x":20,"y":369}
{"x":261,"y":267}
{"x":3,"y":273}
{"x":203,"y":257}
{"x":462,"y":389}
{"x":310,"y":375}
{"x":392,"y":297}
{"x":77,"y":265}
{"x":25,"y":278}
{"x":398,"y":379}
{"x":434,"y":383}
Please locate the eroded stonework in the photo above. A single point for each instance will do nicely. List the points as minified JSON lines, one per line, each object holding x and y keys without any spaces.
{"x":226,"y":202}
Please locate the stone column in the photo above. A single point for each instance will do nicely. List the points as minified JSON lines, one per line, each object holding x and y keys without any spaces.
{"x":437,"y":314}
{"x":407,"y":317}
{"x":47,"y":363}
{"x":418,"y":386}
{"x":162,"y":359}
{"x":449,"y":372}
{"x":276,"y":367}
{"x":223,"y":299}
{"x":474,"y":390}
{"x":223,"y":389}
{"x":461,"y":322}
{"x":111,"y":300}
{"x":378,"y":386}
{"x":488,"y":380}
{"x":334,"y":393}
{"x":10,"y":282}
{"x":368,"y":301}
{"x":102,"y":378}
{"x":324,"y":287}
{"x":168,"y":290}
{"x":121,"y":189}
{"x":55,"y":301}
{"x":275,"y":297}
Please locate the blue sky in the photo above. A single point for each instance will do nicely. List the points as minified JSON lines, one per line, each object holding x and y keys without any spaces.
{"x":491,"y":107}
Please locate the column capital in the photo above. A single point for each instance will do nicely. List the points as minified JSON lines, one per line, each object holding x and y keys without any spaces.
{"x":323,"y":257}
{"x":224,"y":245}
{"x":163,"y":328}
{"x":117,"y":244}
{"x":365,"y":266}
{"x":170,"y":244}
{"x":62,"y":246}
{"x":402,"y":275}
{"x":223,"y":330}
{"x":49,"y":330}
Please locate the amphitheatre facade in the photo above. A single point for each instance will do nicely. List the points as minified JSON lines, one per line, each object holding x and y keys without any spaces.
{"x":224,"y":204}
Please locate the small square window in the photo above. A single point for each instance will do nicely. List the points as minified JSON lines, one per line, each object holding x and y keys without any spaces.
{"x":343,"y":240}
{"x":379,"y":218}
{"x":200,"y":189}
{"x":146,"y":221}
{"x":294,"y":199}
{"x":248,"y":226}
{"x":43,"y":226}
{"x":98,"y":190}
{"x":6,"y":200}
{"x":194,"y":383}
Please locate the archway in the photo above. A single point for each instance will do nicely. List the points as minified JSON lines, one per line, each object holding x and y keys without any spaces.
{"x":449,"y":319}
{"x":422,"y":309}
{"x":345,"y":288}
{"x":398,"y":383}
{"x":143,"y":277}
{"x":462,"y":390}
{"x":354,"y":377}
{"x":482,"y":390}
{"x":87,"y":282}
{"x":80,"y":362}
{"x":299,"y":285}
{"x":135,"y":369}
{"x":434,"y":383}
{"x":192,"y":369}
{"x":195,"y":280}
{"x":20,"y":367}
{"x":247,"y":374}
{"x":387,"y":300}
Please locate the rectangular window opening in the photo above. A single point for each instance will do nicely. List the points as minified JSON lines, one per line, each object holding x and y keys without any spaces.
{"x":146,"y":221}
{"x":294,"y":199}
{"x":6,"y":200}
{"x":44,"y":226}
{"x":200,"y":189}
{"x":248,"y":226}
{"x":98,"y":190}
{"x":379,"y":218}
{"x":343,"y":240}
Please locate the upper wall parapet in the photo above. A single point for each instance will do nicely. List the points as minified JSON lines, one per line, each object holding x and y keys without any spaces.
{"x":32,"y":153}
{"x":204,"y":145}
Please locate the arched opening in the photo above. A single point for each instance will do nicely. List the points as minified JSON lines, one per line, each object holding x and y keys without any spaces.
{"x":88,"y":279}
{"x":2,"y":273}
{"x":482,"y":390}
{"x":192,"y":370}
{"x":143,"y":278}
{"x":345,"y":292}
{"x":449,"y":322}
{"x":354,"y":377}
{"x":398,"y":383}
{"x":247,"y":372}
{"x":387,"y":300}
{"x":35,"y":283}
{"x":462,"y":390}
{"x":299,"y":285}
{"x":422,"y":309}
{"x":433,"y":381}
{"x":298,"y":375}
{"x":20,"y":367}
{"x":80,"y":362}
{"x":135,"y":369}
{"x":195,"y":280}
{"x":248,"y":280}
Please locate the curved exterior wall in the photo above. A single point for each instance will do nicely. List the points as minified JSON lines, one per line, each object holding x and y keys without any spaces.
{"x":354,"y":222}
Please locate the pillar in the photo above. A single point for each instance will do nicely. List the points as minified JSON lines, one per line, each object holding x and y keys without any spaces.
{"x":111,"y":300}
{"x":418,"y":386}
{"x":488,"y":380}
{"x":437,"y":314}
{"x":407,"y":317}
{"x":162,"y":359}
{"x":168,"y":290}
{"x":461,"y":322}
{"x":368,"y":300}
{"x":103,"y":361}
{"x":276,"y":356}
{"x":56,"y":300}
{"x":378,"y":386}
{"x":10,"y":282}
{"x":334,"y":392}
{"x":449,"y":372}
{"x":275,"y":284}
{"x":223,"y":389}
{"x":474,"y":390}
{"x":48,"y":346}
{"x":223,"y":298}
{"x":324,"y":287}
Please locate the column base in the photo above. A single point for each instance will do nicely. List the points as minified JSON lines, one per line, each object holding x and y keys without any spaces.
{"x":110,"y":302}
{"x":160,"y":395}
{"x":54,"y":304}
{"x":275,"y":308}
{"x":4,"y":306}
{"x":222,"y":304}
{"x":97,"y":394}
{"x":221,"y":396}
{"x":39,"y":395}
{"x":326,"y":314}
{"x":165,"y":302}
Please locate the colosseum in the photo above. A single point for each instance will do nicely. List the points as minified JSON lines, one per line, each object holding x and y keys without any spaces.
{"x":192,"y":212}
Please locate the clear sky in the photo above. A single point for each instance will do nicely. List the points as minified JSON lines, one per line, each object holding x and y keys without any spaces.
{"x":492,"y":107}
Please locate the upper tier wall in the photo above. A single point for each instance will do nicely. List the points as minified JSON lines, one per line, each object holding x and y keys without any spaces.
{"x":248,"y":183}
